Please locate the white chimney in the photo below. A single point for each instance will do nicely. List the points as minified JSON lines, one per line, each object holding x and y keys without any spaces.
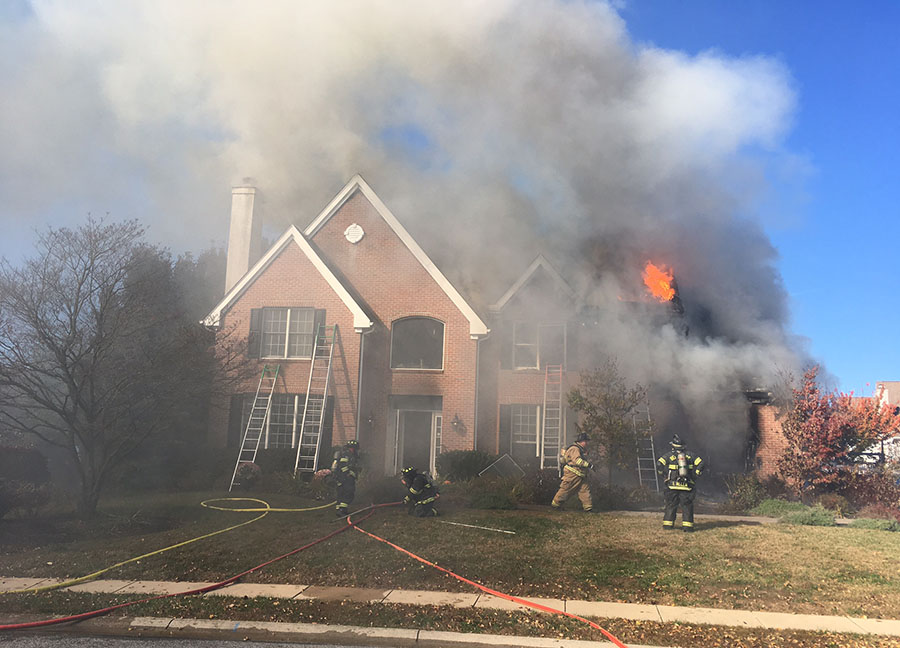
{"x":244,"y":235}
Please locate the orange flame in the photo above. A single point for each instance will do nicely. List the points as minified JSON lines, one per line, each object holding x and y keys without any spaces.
{"x":659,"y":281}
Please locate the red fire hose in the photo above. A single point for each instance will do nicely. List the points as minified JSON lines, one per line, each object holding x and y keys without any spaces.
{"x":508,"y":597}
{"x":200,"y":590}
{"x":350,"y":525}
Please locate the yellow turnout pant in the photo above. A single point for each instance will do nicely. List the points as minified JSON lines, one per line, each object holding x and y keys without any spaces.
{"x":569,"y":485}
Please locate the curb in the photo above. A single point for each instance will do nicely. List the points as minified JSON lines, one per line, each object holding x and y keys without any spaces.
{"x":342,"y":634}
{"x":263,"y":631}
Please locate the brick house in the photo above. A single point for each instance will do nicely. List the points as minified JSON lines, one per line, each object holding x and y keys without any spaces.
{"x":416,"y":370}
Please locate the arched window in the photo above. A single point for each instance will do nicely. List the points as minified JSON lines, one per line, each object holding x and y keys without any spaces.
{"x":417,"y":343}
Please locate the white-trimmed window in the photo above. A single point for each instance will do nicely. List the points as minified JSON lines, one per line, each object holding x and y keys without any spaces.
{"x":287,"y":332}
{"x":417,"y":343}
{"x":283,"y":421}
{"x":525,"y":345}
{"x":524,"y":429}
{"x":537,"y":345}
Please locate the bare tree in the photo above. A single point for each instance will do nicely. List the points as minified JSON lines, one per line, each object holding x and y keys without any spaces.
{"x":606,"y":404}
{"x":95,"y":353}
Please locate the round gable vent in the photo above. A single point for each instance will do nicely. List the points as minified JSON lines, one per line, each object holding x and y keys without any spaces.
{"x":354,"y":233}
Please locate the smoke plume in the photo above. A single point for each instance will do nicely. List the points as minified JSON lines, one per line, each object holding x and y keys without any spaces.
{"x":493,"y":130}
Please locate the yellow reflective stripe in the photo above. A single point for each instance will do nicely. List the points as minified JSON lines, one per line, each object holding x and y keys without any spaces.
{"x":575,"y":470}
{"x":687,"y":524}
{"x":673,"y":466}
{"x":679,"y":487}
{"x":426,"y":501}
{"x":697,"y":460}
{"x":667,"y":523}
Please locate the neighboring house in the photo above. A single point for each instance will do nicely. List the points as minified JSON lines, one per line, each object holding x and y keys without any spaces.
{"x":771,"y":444}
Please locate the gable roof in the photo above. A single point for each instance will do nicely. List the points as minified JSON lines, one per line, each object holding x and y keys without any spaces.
{"x":538,"y":263}
{"x":477,"y":328}
{"x":361,"y":320}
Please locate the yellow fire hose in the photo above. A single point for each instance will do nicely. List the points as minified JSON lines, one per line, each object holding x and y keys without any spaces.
{"x":265,"y":509}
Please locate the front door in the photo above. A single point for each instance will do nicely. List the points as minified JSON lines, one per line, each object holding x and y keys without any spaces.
{"x":414,"y":442}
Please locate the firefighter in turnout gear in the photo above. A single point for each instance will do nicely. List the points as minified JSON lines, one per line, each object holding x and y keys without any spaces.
{"x":574,"y":466}
{"x":680,"y":470}
{"x":345,"y":469}
{"x":421,"y":493}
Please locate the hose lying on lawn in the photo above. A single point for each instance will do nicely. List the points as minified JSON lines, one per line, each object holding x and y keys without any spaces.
{"x":200,"y":590}
{"x":508,"y":597}
{"x":265,"y":509}
{"x":350,"y":525}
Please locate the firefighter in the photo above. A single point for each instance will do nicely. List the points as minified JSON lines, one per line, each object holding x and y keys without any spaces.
{"x":345,"y":469}
{"x":574,"y":466}
{"x":680,"y":470}
{"x":421,"y":493}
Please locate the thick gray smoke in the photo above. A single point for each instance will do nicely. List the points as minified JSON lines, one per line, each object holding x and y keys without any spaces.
{"x":493,"y":130}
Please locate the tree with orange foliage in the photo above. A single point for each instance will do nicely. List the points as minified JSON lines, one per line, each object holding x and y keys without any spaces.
{"x":827,"y":432}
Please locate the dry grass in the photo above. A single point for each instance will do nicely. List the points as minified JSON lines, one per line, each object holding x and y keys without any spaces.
{"x":606,"y":557}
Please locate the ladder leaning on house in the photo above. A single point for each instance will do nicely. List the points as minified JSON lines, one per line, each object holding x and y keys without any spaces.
{"x":316,"y":399}
{"x":553,"y":411}
{"x":646,"y":451}
{"x":259,"y":414}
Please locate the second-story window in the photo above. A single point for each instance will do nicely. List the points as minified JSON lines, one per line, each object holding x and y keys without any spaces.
{"x":537,"y":345}
{"x":525,"y":345}
{"x":284,"y":332}
{"x":417,"y":343}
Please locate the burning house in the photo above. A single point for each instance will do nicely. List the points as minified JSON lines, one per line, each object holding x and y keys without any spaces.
{"x":356,"y":333}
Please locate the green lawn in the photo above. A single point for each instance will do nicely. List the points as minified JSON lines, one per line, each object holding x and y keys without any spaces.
{"x":609,"y":557}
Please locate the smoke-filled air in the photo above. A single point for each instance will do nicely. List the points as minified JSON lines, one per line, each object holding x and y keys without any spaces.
{"x":494,"y":131}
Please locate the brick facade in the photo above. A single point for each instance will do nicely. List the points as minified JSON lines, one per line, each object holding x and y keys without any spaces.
{"x":772,"y":443}
{"x":389,"y":283}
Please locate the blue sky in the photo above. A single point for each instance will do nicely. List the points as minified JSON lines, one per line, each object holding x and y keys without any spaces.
{"x":838,"y":235}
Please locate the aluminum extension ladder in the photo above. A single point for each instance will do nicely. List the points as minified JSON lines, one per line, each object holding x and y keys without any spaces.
{"x":553,"y":417}
{"x":259,"y":415}
{"x":646,"y":454}
{"x":316,"y":398}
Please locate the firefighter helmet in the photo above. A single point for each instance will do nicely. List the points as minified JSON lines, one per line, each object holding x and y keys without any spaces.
{"x":353,"y":443}
{"x":408,"y":473}
{"x":584,"y":436}
{"x":676,"y":443}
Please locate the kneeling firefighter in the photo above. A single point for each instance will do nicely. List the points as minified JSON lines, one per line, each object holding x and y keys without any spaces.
{"x":345,"y":469}
{"x":421,"y":492}
{"x":680,"y":469}
{"x":573,"y":467}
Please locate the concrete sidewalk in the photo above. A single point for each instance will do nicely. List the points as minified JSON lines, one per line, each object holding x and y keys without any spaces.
{"x":632,"y":611}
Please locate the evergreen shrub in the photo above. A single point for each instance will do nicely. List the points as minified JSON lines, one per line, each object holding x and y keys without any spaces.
{"x":537,"y":486}
{"x":837,"y":503}
{"x":462,"y":465}
{"x":880,"y":525}
{"x":811,"y":516}
{"x":777,"y":508}
{"x":491,"y":493}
